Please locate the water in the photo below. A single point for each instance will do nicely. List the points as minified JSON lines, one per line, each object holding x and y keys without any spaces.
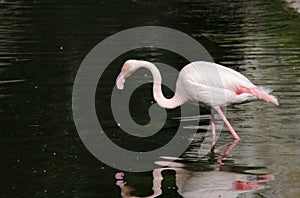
{"x":42,"y":46}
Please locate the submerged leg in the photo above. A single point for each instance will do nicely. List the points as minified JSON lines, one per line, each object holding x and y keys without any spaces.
{"x":223,"y":156}
{"x":213,"y":127}
{"x":235,"y":135}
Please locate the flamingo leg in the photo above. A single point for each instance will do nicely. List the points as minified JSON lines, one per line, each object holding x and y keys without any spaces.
{"x":235,"y":135}
{"x":213,"y":128}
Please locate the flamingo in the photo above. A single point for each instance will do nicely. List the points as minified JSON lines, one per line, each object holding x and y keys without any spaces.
{"x":202,"y":82}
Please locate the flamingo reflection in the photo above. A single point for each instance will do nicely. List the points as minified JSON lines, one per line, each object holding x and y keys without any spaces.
{"x":175,"y":180}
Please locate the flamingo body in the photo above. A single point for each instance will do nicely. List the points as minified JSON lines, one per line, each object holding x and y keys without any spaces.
{"x":216,"y":85}
{"x":201,"y":82}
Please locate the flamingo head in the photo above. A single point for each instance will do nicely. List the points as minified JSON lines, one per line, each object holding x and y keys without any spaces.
{"x":129,"y":67}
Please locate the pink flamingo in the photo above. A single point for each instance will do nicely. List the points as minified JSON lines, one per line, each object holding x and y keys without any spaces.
{"x":202,"y":82}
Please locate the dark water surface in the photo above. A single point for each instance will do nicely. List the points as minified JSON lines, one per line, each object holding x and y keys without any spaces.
{"x":42,"y":45}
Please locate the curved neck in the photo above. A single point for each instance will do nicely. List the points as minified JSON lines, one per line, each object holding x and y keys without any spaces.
{"x":157,"y":90}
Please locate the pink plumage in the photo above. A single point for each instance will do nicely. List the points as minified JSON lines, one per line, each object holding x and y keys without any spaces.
{"x":201,"y":82}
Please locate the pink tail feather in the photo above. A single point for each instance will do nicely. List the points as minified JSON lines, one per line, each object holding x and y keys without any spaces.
{"x":261,"y":94}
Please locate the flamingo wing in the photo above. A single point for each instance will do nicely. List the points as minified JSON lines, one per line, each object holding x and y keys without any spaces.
{"x":216,"y":85}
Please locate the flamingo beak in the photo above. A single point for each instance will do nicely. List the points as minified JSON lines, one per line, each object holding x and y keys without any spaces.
{"x":120,"y":81}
